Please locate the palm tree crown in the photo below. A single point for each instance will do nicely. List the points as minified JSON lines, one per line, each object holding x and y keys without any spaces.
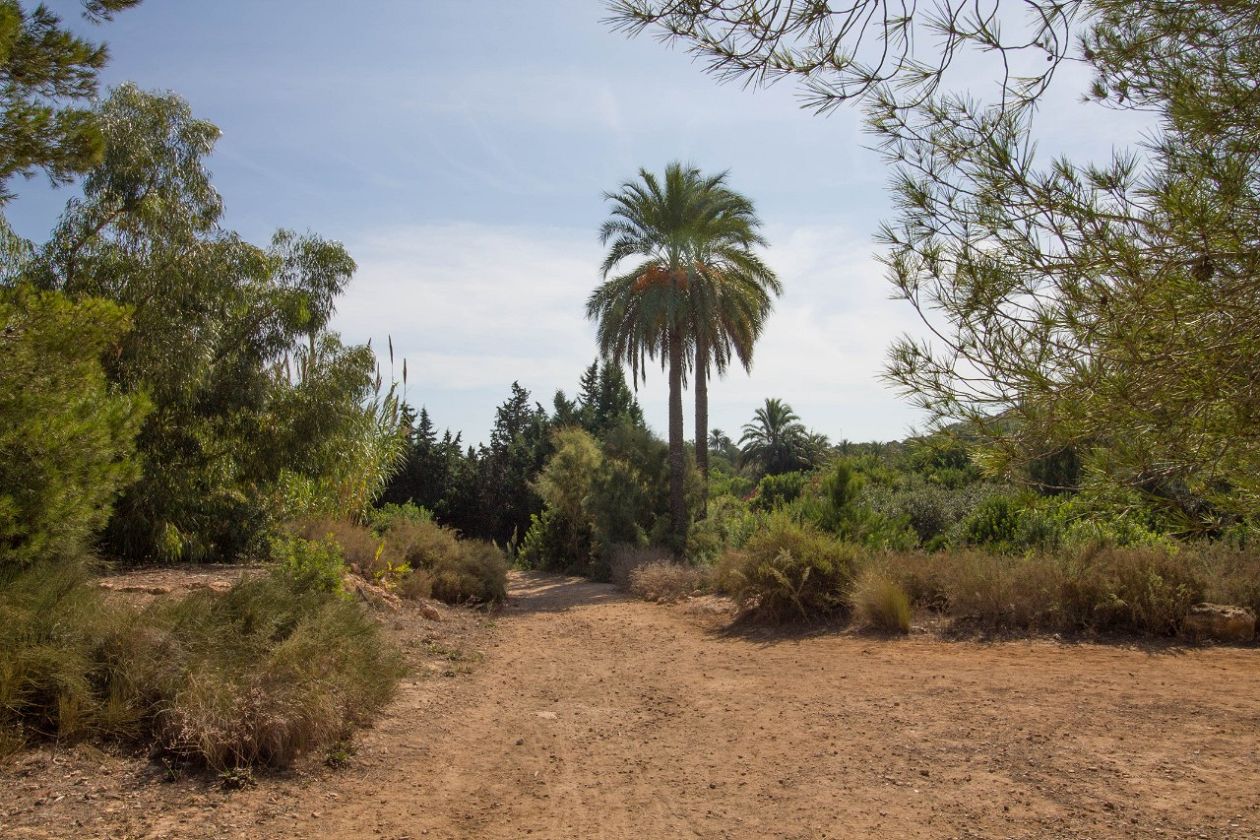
{"x":642,"y":313}
{"x":775,"y":439}
{"x":696,"y":293}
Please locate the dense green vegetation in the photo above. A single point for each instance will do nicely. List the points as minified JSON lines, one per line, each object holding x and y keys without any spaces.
{"x":171,"y":393}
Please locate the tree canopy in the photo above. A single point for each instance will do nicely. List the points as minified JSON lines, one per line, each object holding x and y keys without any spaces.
{"x":1104,"y":309}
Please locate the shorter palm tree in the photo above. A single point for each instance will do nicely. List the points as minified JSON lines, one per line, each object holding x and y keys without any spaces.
{"x":776,"y":440}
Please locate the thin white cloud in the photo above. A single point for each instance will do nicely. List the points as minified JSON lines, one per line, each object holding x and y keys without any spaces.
{"x":474,"y":307}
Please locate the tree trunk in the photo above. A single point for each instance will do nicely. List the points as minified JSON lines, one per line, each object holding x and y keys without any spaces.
{"x":702,"y":423}
{"x":677,"y":460}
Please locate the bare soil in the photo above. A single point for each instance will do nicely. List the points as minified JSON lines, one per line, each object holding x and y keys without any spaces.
{"x":579,"y":713}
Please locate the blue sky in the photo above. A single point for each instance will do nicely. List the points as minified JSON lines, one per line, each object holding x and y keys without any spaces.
{"x":460,"y":151}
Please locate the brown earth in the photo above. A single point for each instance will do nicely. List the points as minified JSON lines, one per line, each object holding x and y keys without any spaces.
{"x":577,"y":713}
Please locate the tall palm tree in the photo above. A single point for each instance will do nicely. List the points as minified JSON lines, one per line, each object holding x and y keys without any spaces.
{"x":731,"y":299}
{"x":645,"y":313}
{"x":775,"y":439}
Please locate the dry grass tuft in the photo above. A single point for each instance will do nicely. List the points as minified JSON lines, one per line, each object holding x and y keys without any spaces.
{"x":665,"y":582}
{"x":879,"y":603}
{"x":623,"y":559}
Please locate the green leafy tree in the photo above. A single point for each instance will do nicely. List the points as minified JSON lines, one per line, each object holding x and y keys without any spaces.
{"x":520,"y":441}
{"x":67,"y":437}
{"x":228,"y":341}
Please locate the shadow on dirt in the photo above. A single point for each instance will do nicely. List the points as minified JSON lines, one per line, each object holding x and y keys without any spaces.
{"x":532,"y":592}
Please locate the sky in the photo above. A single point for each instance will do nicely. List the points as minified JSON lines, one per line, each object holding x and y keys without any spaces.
{"x":461,"y":151}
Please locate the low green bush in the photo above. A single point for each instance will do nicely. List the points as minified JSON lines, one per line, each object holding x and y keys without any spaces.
{"x":774,"y":491}
{"x":316,"y":564}
{"x":360,"y":548}
{"x":55,"y":680}
{"x":556,"y":543}
{"x":728,"y":525}
{"x":790,"y":571}
{"x":379,"y":519}
{"x":477,"y":574}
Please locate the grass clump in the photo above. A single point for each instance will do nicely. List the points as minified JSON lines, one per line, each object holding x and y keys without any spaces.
{"x":879,"y":603}
{"x":1140,"y":589}
{"x":790,"y":571}
{"x":55,"y":679}
{"x":315,"y":564}
{"x":252,"y":677}
{"x":666,"y":582}
{"x":261,"y":674}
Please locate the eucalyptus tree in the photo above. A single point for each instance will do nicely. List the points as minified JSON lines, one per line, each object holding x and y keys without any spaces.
{"x":776,"y":440}
{"x":646,"y":312}
{"x":215,"y":320}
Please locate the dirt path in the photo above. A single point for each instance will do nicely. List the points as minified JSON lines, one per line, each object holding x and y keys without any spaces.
{"x":593,"y":716}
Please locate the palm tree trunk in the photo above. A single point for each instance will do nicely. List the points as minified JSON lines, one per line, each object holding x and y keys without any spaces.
{"x":702,"y":422}
{"x":677,"y":461}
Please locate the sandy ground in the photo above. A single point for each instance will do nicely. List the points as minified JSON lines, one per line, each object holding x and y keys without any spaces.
{"x":578,"y":713}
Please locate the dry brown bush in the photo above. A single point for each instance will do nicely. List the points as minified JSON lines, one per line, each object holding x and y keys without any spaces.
{"x":1132,"y":590}
{"x":623,"y":559}
{"x":667,"y":582}
{"x":880,"y":603}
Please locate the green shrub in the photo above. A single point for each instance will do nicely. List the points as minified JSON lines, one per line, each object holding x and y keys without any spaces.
{"x":932,"y":511}
{"x":67,"y":438}
{"x":728,"y":526}
{"x":315,"y":564}
{"x":774,"y":491}
{"x":477,"y":574}
{"x":360,"y":548}
{"x":556,"y":543}
{"x":790,"y":570}
{"x":995,"y":522}
{"x":880,"y":603}
{"x":54,"y":627}
{"x":379,"y":519}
